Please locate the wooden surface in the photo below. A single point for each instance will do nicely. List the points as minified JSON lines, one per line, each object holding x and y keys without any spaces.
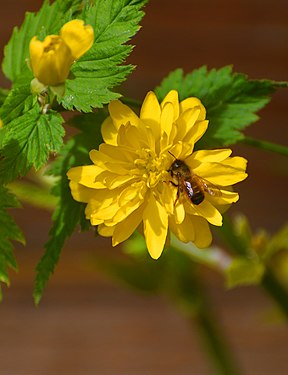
{"x":85,"y":325}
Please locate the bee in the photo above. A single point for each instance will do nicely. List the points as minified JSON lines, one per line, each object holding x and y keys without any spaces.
{"x":190,"y":185}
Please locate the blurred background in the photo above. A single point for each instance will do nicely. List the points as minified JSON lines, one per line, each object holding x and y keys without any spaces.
{"x":86,"y":324}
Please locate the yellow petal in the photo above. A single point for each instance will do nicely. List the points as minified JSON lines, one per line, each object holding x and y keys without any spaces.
{"x":86,"y":176}
{"x":184,"y":231}
{"x":121,"y":114}
{"x":179,"y":213}
{"x":155,"y":220}
{"x":109,"y":132}
{"x":204,"y":156}
{"x":81,"y":193}
{"x":167,"y":118}
{"x":105,"y":231}
{"x":209,"y":212}
{"x":226,"y":173}
{"x":125,"y":228}
{"x":78,"y":37}
{"x":172,"y":97}
{"x":151,"y":113}
{"x":193,"y":103}
{"x":185,"y":122}
{"x":196,"y":132}
{"x":226,"y":197}
{"x":203,"y":236}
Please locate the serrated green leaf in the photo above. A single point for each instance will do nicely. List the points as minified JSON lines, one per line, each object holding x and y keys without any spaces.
{"x":69,"y":213}
{"x":47,"y":21}
{"x":9,"y":231}
{"x":28,"y":140}
{"x":243,"y":271}
{"x":231,"y":100}
{"x":99,"y":70}
{"x":17,"y":101}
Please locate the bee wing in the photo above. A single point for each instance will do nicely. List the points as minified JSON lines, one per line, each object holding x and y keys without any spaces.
{"x":208,"y":187}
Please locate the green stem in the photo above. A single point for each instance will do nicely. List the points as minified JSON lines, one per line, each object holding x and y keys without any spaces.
{"x":265,"y":145}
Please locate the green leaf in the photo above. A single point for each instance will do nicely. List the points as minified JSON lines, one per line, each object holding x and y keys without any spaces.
{"x":99,"y":70}
{"x":17,"y":102}
{"x":28,"y":140}
{"x":9,"y":231}
{"x":231,"y":100}
{"x":47,"y":21}
{"x":244,"y":271}
{"x":69,"y":213}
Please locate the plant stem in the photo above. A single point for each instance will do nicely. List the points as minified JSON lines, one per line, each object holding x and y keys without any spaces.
{"x":265,"y":145}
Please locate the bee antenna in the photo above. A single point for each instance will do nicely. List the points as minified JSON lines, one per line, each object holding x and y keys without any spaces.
{"x":172,"y":155}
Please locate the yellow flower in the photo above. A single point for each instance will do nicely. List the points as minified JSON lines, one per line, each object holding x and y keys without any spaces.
{"x":134,"y":183}
{"x":51,"y":59}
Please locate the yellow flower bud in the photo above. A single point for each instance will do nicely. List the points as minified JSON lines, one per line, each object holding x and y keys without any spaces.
{"x":51,"y":59}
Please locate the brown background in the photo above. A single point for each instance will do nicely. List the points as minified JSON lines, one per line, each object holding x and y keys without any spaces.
{"x":85,"y":324}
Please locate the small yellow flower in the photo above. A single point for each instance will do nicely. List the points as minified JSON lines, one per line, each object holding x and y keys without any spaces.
{"x":132,"y":184}
{"x":51,"y":59}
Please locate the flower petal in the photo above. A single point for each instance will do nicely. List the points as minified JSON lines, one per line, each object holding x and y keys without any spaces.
{"x":209,"y":212}
{"x":193,"y":103}
{"x":203,"y":236}
{"x":125,"y":228}
{"x":204,"y":156}
{"x":151,"y":113}
{"x":228,"y":172}
{"x":155,"y":220}
{"x":109,"y":131}
{"x":167,"y":116}
{"x":184,"y":231}
{"x":86,"y":176}
{"x":196,"y":132}
{"x":78,"y":37}
{"x":172,"y":97}
{"x":121,"y":114}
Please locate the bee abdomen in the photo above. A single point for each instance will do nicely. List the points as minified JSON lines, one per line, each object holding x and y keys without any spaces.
{"x":198,"y":195}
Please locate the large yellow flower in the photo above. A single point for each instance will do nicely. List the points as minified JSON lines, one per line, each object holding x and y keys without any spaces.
{"x":51,"y":59}
{"x":134,"y":178}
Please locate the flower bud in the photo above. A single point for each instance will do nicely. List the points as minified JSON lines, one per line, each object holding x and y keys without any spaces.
{"x":51,"y":59}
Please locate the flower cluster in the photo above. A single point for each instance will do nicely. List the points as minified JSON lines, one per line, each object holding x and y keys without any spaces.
{"x":51,"y":59}
{"x":135,"y":181}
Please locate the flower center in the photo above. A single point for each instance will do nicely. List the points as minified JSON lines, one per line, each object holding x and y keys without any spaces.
{"x":150,"y":167}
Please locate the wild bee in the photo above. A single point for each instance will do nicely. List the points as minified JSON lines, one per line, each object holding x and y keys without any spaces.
{"x":190,"y":185}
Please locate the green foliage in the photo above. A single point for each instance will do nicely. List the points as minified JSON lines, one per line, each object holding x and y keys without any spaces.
{"x":9,"y":231}
{"x":48,"y":20}
{"x":231,"y":100}
{"x":68,"y":213}
{"x":28,"y":140}
{"x":114,"y":23}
